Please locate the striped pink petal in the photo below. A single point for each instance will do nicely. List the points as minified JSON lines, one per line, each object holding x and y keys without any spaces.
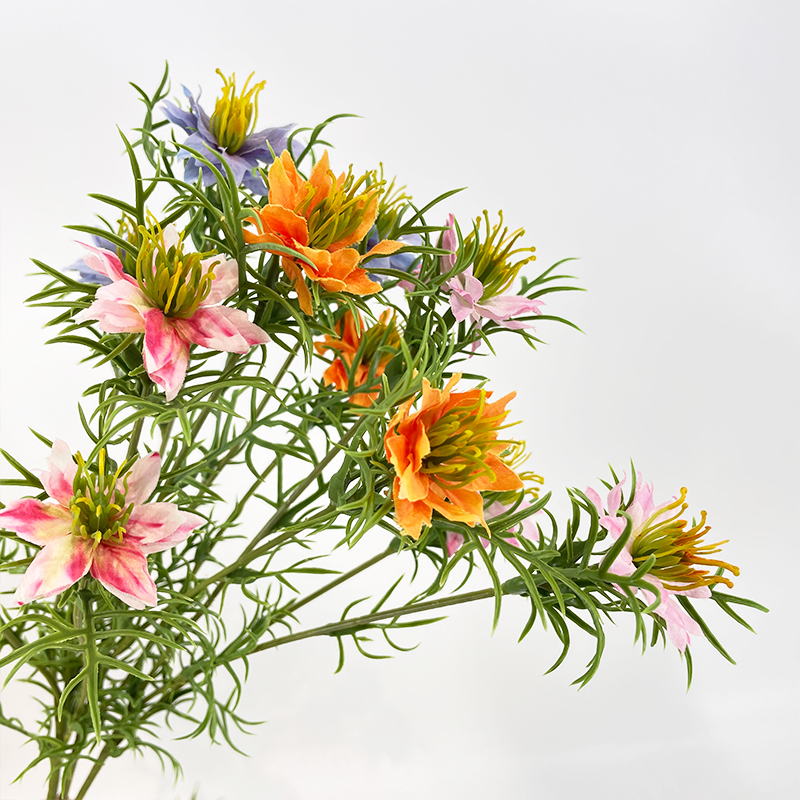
{"x":166,"y":354}
{"x":104,"y":261}
{"x":226,"y":279}
{"x":221,"y":328}
{"x":36,"y":522}
{"x":143,"y":478}
{"x":59,"y":478}
{"x":120,"y":307}
{"x":56,"y":567}
{"x":158,"y":526}
{"x":122,"y":569}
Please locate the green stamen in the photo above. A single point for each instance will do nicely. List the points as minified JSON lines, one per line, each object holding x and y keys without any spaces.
{"x":234,"y":117}
{"x":493,"y":263}
{"x":678,"y":550}
{"x":98,"y":506}
{"x":174,"y":281}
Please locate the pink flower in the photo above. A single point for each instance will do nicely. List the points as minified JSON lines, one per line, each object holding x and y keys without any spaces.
{"x":527,"y":528}
{"x":174,"y":301}
{"x":470,"y":297}
{"x":98,"y":524}
{"x":659,"y":531}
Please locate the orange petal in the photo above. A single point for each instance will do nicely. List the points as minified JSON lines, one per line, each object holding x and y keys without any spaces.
{"x":368,"y":220}
{"x":283,"y":181}
{"x":410,"y":516}
{"x":383,"y":248}
{"x":295,"y":274}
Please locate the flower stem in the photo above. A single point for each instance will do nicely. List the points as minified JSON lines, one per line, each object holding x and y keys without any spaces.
{"x":358,"y":623}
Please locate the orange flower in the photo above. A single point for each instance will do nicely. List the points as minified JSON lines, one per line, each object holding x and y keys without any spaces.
{"x":320,"y":218}
{"x":446,"y":454}
{"x":362,"y":343}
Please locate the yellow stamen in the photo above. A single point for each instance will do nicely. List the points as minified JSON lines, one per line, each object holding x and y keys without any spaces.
{"x":234,"y":117}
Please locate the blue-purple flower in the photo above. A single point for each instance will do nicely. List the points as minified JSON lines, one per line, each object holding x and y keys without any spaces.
{"x":229,"y":133}
{"x":402,"y":262}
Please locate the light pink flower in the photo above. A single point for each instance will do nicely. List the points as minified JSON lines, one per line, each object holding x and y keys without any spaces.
{"x":467,"y":299}
{"x":142,"y":305}
{"x":104,"y":528}
{"x":527,"y":527}
{"x":658,"y":530}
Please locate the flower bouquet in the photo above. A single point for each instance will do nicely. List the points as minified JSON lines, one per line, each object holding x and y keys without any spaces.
{"x":288,"y":358}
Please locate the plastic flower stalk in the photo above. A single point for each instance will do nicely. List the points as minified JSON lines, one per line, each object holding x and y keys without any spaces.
{"x":174,"y":301}
{"x":357,"y":348}
{"x":228,"y":133}
{"x":322,"y":219}
{"x":481,"y":291}
{"x":96,"y":522}
{"x":678,"y":548}
{"x":445,"y":454}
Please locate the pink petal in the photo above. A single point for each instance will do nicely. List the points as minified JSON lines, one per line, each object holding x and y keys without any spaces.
{"x":171,"y":236}
{"x":221,"y":328}
{"x":104,"y":261}
{"x":36,"y":522}
{"x":158,"y":526}
{"x":449,"y":242}
{"x":680,"y":626}
{"x":226,"y":279}
{"x":58,"y":480}
{"x":502,"y":308}
{"x":122,"y":569}
{"x":61,"y":562}
{"x":120,"y":307}
{"x":452,"y":542}
{"x":143,"y":478}
{"x":595,"y":498}
{"x":166,"y":354}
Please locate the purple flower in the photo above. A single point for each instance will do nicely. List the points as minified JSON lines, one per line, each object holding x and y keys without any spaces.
{"x":402,"y":262}
{"x":228,"y":132}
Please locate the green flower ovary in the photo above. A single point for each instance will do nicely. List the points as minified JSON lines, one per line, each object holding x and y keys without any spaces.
{"x":234,"y":117}
{"x":98,"y":506}
{"x":460,"y":442}
{"x":174,"y":281}
{"x":678,"y":550}
{"x":340,"y":214}
{"x":493,"y":263}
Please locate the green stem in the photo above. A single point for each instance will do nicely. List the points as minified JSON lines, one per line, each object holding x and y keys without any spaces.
{"x":133,"y":444}
{"x":290,"y":608}
{"x":358,"y":623}
{"x":96,"y":767}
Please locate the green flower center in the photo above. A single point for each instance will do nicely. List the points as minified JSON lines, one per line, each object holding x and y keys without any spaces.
{"x":234,"y":117}
{"x":494,"y":263}
{"x":338,"y":216}
{"x":679,"y":550}
{"x":460,"y":441}
{"x":172,"y":280}
{"x":98,"y":505}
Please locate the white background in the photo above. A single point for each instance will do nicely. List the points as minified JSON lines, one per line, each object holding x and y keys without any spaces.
{"x":657,"y":141}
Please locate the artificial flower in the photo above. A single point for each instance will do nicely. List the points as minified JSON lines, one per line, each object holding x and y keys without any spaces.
{"x":321,"y":218}
{"x":228,"y":133}
{"x":445,"y":454}
{"x":355,"y":341}
{"x":174,"y":301}
{"x":679,"y":551}
{"x":479,"y":292}
{"x":402,"y":262}
{"x":98,"y":523}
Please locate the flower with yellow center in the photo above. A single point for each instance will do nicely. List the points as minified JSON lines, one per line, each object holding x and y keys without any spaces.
{"x":356,"y":349}
{"x":445,"y":454}
{"x":679,"y":553}
{"x":234,"y":117}
{"x":321,"y":218}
